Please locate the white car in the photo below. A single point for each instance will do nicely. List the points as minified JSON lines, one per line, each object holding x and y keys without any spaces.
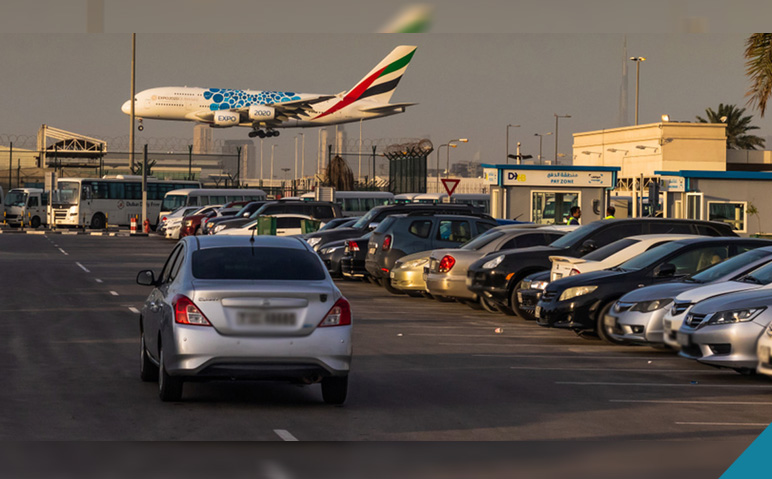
{"x":173,"y":223}
{"x":176,"y":215}
{"x":286,"y":225}
{"x":609,"y":256}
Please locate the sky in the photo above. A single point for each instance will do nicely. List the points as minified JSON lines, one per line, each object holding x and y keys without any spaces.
{"x":467,"y":85}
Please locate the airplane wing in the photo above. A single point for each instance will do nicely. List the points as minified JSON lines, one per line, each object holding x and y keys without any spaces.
{"x":391,"y":107}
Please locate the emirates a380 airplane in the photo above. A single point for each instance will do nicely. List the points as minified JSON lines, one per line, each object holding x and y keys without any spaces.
{"x":265,"y":111}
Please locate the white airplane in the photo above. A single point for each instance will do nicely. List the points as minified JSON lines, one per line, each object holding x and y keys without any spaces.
{"x":264,"y":111}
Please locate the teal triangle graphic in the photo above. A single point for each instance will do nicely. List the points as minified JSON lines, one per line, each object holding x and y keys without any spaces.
{"x":754,"y":462}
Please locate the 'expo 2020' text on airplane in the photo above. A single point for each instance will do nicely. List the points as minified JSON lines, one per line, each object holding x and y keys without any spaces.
{"x":264,"y":111}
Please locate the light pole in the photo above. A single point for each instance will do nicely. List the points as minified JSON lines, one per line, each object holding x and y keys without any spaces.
{"x":541,"y":137}
{"x":273,"y":147}
{"x":557,"y":117}
{"x":637,"y":61}
{"x":508,"y":127}
{"x":295,"y":172}
{"x":303,"y":157}
{"x":261,"y":162}
{"x":448,"y":144}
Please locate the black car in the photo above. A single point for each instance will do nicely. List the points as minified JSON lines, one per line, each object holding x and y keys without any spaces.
{"x":331,"y":255}
{"x":498,"y":281}
{"x":352,"y":264}
{"x":373,"y":217}
{"x":318,"y":210}
{"x":582,"y":302}
{"x":244,"y":212}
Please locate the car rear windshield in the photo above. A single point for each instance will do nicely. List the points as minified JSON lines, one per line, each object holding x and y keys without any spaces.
{"x":257,"y":263}
{"x":644,"y":260}
{"x":484,"y":239}
{"x":602,"y":253}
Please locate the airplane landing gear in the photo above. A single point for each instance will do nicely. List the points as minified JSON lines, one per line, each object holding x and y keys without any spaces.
{"x":140,"y":127}
{"x":263,"y":133}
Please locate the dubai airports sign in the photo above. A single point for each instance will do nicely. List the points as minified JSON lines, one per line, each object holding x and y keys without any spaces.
{"x":557,"y":178}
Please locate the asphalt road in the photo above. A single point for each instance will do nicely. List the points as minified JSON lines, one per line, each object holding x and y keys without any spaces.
{"x":422,"y":370}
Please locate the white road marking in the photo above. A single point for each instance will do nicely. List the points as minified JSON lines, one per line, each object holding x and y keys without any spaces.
{"x":99,"y":280}
{"x":668,"y":401}
{"x":482,"y":335}
{"x":666,"y":385}
{"x":577,"y":356}
{"x":82,"y":267}
{"x":99,"y":341}
{"x":63,"y":252}
{"x":619,"y":369}
{"x":285,"y":435}
{"x":113,"y":293}
{"x":134,"y":310}
{"x":748,"y":424}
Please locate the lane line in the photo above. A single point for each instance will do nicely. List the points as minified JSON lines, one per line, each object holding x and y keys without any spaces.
{"x":82,"y":267}
{"x":99,"y":280}
{"x":133,"y":310}
{"x":113,"y":293}
{"x":748,"y":424}
{"x":544,"y":356}
{"x":63,"y":252}
{"x":500,"y":335}
{"x":98,"y":341}
{"x":669,"y":401}
{"x":652,"y":370}
{"x":285,"y":435}
{"x":665,"y":385}
{"x":511,"y":344}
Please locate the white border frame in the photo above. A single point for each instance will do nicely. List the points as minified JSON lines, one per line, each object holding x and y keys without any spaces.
{"x":702,"y":205}
{"x":530,"y":205}
{"x":745,"y":213}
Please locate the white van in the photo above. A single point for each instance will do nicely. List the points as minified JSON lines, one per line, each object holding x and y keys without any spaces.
{"x":207,"y":196}
{"x":26,"y":206}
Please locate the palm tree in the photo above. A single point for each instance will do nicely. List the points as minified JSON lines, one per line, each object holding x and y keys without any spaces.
{"x":736,"y":127}
{"x":758,"y":67}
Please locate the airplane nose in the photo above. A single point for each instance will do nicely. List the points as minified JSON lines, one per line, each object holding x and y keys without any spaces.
{"x":126,"y":108}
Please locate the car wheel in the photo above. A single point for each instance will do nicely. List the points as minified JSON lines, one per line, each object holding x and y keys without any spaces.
{"x":427,"y":295}
{"x":35,"y":222}
{"x":601,"y":327}
{"x":334,"y":389}
{"x":169,"y":387}
{"x":515,"y":304}
{"x":391,"y":289}
{"x":148,"y":371}
{"x":486,"y":305}
{"x":98,"y":221}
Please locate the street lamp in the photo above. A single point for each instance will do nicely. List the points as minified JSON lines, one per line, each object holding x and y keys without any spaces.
{"x":448,"y":144}
{"x":273,"y":147}
{"x":508,"y":127}
{"x":541,"y":137}
{"x":462,"y":140}
{"x":637,"y":61}
{"x":557,"y":117}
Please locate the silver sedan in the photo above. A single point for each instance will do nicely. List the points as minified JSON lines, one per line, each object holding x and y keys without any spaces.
{"x":234,"y":307}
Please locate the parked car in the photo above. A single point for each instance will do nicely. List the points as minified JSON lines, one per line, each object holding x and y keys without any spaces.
{"x":407,"y":275}
{"x":373,"y":217}
{"x":245,"y":212}
{"x":400,"y":235}
{"x":230,"y":307}
{"x":192,"y":224}
{"x":286,"y":225}
{"x":582,"y":302}
{"x":318,"y":210}
{"x":174,"y":220}
{"x":447,"y":268}
{"x":723,"y":331}
{"x":344,"y":222}
{"x":498,"y":282}
{"x":352,"y":263}
{"x":531,"y":288}
{"x":174,"y":225}
{"x":331,"y":255}
{"x":640,"y":315}
{"x":764,"y":352}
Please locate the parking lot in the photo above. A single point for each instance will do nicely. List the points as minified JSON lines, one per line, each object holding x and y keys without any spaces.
{"x":422,"y":370}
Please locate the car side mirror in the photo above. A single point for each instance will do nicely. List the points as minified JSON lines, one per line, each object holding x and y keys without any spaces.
{"x":587,"y":246}
{"x":146,"y":278}
{"x":665,"y":270}
{"x":372,"y":226}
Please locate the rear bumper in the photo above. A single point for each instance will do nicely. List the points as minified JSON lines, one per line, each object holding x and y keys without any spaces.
{"x":489,"y":283}
{"x":407,"y":280}
{"x":448,"y":285}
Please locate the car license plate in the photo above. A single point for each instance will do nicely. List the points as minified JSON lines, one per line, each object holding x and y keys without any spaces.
{"x":558,"y":275}
{"x":520,"y":297}
{"x":610,"y":321}
{"x":684,"y":339}
{"x":372,"y":250}
{"x":253,"y":319}
{"x":391,"y":275}
{"x":468,"y":281}
{"x":764,"y":355}
{"x":537,"y":312}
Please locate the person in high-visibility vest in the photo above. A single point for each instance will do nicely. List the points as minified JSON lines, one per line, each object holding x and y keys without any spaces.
{"x":576,"y":213}
{"x":610,"y":213}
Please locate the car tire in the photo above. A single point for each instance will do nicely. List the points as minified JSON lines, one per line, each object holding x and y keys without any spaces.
{"x":391,"y":289}
{"x":35,"y":221}
{"x":335,"y":389}
{"x":486,"y":305}
{"x":515,"y":304}
{"x":98,"y":221}
{"x":148,"y":371}
{"x":169,"y":387}
{"x":600,"y":327}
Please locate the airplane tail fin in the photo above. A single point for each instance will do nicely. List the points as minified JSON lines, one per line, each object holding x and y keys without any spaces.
{"x":380,"y":83}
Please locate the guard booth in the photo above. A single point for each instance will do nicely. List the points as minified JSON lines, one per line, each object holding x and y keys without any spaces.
{"x":544,"y":194}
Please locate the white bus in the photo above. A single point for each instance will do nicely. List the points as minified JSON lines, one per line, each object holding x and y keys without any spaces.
{"x":357,"y":203}
{"x":204,"y":197}
{"x":26,"y":206}
{"x":480,"y":200}
{"x":109,"y":200}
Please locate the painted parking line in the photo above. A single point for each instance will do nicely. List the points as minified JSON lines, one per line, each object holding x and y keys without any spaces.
{"x":664,"y":385}
{"x":82,"y":267}
{"x":99,"y":280}
{"x":134,"y":310}
{"x":652,"y":370}
{"x":575,"y":356}
{"x":63,"y":252}
{"x":113,"y":293}
{"x":707,"y":403}
{"x":734,"y":424}
{"x":285,"y":435}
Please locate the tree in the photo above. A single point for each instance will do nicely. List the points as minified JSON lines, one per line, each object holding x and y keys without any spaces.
{"x":736,"y":127}
{"x":758,"y":68}
{"x":339,"y":175}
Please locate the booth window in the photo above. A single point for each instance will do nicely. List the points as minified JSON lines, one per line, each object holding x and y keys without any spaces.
{"x":552,"y":207}
{"x":694,"y":206}
{"x":731,"y":212}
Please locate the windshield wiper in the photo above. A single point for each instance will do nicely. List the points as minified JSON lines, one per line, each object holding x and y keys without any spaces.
{"x":751,"y":279}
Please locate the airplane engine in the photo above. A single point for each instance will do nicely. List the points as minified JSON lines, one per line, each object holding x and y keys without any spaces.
{"x":226,"y":118}
{"x":261,"y":112}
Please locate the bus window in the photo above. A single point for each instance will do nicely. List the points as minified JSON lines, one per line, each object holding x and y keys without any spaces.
{"x":115,"y":190}
{"x":33,"y":201}
{"x":350,"y":204}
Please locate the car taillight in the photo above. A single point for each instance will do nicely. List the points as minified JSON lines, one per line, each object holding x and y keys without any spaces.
{"x":446,"y":263}
{"x":163,"y":219}
{"x":574,"y":272}
{"x":353,"y":246}
{"x":339,"y":315}
{"x":186,"y":312}
{"x":386,"y":243}
{"x":203,"y":222}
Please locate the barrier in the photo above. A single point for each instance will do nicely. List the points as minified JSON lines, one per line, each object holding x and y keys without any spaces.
{"x":133,"y":225}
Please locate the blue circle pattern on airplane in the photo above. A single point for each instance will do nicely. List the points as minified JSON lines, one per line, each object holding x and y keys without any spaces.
{"x":226,"y":98}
